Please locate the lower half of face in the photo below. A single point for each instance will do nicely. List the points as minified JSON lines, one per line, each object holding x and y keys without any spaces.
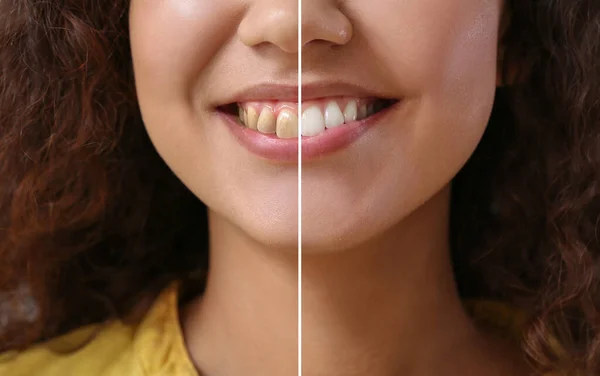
{"x":414,"y":87}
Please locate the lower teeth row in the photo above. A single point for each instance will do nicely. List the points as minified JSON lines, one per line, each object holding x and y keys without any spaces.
{"x":314,"y":121}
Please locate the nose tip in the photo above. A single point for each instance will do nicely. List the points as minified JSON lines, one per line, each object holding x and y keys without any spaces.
{"x":328,"y":25}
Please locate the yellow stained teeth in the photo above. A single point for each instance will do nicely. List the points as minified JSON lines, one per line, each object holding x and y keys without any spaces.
{"x":287,"y":125}
{"x":242,"y":115}
{"x":266,"y":121}
{"x":252,"y":118}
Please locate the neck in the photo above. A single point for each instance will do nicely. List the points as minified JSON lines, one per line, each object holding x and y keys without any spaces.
{"x":389,"y":306}
{"x":246,"y":321}
{"x":382,"y":308}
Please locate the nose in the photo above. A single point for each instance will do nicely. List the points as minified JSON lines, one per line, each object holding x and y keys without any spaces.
{"x":275,"y":22}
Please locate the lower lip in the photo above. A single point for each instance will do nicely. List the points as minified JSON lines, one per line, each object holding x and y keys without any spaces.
{"x":286,"y":150}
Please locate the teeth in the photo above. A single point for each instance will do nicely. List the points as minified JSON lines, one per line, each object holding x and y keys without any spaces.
{"x":313,"y":122}
{"x":315,"y":119}
{"x":370,"y":109}
{"x":350,"y":112}
{"x":333,"y":115}
{"x":287,"y":125}
{"x":266,"y":121}
{"x":242,"y":115}
{"x":362,"y":112}
{"x":251,"y":118}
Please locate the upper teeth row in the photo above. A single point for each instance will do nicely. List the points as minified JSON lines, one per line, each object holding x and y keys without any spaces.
{"x":314,"y":119}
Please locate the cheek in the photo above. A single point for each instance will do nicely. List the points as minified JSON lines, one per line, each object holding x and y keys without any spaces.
{"x":431,"y":45}
{"x":445,"y":58}
{"x":172,"y":41}
{"x":442,"y":55}
{"x":447,"y":62}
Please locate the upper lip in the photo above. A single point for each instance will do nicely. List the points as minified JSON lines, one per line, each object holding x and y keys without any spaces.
{"x":289,"y":93}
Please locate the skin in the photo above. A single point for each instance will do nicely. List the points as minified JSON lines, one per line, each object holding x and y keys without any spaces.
{"x":378,"y":291}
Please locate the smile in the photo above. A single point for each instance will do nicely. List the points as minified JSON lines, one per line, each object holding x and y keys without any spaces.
{"x":281,"y":118}
{"x":270,"y":128}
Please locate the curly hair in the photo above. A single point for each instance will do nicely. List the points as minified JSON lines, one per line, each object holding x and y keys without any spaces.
{"x":91,"y":218}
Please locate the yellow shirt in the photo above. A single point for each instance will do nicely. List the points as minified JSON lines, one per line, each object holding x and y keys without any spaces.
{"x":155,"y":346}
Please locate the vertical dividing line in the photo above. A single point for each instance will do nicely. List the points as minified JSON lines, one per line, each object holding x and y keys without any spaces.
{"x":299,"y":188}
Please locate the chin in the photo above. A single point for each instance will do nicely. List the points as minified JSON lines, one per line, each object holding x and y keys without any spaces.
{"x":322,"y":237}
{"x":284,"y":239}
{"x":277,"y":231}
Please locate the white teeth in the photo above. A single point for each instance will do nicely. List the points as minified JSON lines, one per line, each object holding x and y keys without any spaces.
{"x":362,"y":112}
{"x":287,"y":125}
{"x":350,"y":112}
{"x":333,"y":115}
{"x":266,"y":121}
{"x":313,"y":122}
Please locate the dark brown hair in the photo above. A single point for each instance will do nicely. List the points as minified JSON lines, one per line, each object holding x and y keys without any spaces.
{"x":91,"y":218}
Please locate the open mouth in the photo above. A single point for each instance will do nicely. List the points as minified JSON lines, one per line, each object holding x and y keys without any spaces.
{"x":280,"y":119}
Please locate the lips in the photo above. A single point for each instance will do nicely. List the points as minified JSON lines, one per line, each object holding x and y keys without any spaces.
{"x":264,"y":119}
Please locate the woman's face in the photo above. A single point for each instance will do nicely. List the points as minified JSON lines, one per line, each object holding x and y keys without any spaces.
{"x":435,"y":58}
